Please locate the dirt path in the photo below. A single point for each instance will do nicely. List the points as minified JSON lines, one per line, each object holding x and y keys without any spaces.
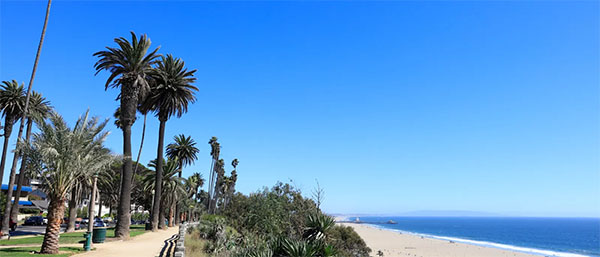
{"x":145,"y":245}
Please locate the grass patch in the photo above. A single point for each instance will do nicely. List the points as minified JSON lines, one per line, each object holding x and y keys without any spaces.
{"x":71,"y":237}
{"x":194,"y":245}
{"x":26,"y":251}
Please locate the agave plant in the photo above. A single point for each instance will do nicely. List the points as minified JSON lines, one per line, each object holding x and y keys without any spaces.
{"x":317,"y":225}
{"x":294,"y":248}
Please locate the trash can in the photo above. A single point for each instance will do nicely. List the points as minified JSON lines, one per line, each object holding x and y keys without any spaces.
{"x":99,"y":235}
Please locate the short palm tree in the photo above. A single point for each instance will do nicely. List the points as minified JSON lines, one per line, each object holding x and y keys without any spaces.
{"x":170,"y":185}
{"x":129,"y":65}
{"x":183,"y":149}
{"x":38,"y":110}
{"x":12,"y":103}
{"x":171,"y":92}
{"x":193,"y":183}
{"x":60,"y":155}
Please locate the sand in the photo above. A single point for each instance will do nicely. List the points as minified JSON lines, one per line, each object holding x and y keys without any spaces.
{"x":394,"y":244}
{"x":147,"y":245}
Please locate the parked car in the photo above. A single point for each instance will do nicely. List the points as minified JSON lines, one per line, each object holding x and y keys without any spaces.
{"x":34,"y":221}
{"x":78,"y":225}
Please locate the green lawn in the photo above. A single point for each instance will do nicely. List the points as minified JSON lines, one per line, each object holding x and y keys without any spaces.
{"x":26,"y":251}
{"x":70,"y":238}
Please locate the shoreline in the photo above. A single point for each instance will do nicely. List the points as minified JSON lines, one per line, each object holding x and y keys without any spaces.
{"x":394,"y":243}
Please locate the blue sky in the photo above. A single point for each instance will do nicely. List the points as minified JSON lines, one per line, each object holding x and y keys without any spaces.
{"x":392,"y":106}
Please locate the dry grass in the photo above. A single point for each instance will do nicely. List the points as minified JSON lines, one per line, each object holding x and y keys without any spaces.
{"x":194,"y":245}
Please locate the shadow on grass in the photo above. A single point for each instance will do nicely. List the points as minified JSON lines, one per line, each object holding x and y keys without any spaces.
{"x":71,"y":237}
{"x":27,"y":251}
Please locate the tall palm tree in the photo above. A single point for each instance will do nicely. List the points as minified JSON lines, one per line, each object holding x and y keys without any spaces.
{"x":60,"y":155}
{"x":5,"y":220}
{"x":215,"y":151}
{"x":171,"y":92}
{"x":129,"y":65}
{"x":183,"y":149}
{"x":39,"y":109}
{"x":12,"y":102}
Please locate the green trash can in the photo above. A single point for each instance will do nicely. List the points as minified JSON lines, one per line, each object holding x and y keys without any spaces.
{"x":99,"y":235}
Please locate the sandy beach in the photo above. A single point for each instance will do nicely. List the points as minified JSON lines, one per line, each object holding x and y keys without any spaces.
{"x":394,"y":244}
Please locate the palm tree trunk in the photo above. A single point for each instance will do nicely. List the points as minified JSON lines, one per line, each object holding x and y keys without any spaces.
{"x":177,"y":212}
{"x":161,"y":224}
{"x":11,"y":182}
{"x":159,"y":174}
{"x":171,"y":214}
{"x":22,"y":177}
{"x":55,"y":215}
{"x":123,"y":212}
{"x":7,"y":132}
{"x":72,"y":210}
{"x":211,"y":185}
{"x":137,"y":161}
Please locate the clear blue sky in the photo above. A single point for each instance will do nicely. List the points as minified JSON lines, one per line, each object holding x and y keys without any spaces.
{"x":392,"y":106}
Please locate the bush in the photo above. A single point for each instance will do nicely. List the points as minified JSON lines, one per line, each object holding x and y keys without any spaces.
{"x":347,"y":241}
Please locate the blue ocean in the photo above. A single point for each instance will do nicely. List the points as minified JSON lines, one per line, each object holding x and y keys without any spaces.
{"x":541,"y":236}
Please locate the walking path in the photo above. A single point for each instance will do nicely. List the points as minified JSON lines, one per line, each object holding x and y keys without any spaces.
{"x":145,"y":245}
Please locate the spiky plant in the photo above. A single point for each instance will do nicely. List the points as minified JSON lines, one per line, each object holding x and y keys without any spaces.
{"x":317,"y":225}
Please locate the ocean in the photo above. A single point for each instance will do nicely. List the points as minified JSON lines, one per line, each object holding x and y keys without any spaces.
{"x":541,"y":236}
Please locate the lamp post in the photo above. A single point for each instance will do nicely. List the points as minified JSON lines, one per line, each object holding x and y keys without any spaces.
{"x":91,"y":205}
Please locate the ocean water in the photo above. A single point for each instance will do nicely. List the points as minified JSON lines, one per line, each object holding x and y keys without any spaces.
{"x":541,"y":236}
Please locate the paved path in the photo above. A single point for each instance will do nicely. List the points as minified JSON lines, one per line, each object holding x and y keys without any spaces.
{"x":146,"y":245}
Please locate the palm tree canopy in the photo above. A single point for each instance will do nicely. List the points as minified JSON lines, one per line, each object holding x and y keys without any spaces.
{"x":12,"y":100}
{"x":39,"y":108}
{"x":171,"y":90}
{"x":60,"y":155}
{"x":129,"y":64}
{"x":184,"y":149}
{"x":170,"y":169}
{"x":197,"y":179}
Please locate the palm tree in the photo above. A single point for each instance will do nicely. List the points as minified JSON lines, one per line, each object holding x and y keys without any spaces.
{"x":183,"y":149}
{"x":193,"y":183}
{"x":5,"y":220}
{"x":12,"y":102}
{"x":171,"y":93}
{"x":60,"y":155}
{"x":170,"y":185}
{"x":129,"y":65}
{"x":39,"y":109}
{"x":215,"y":150}
{"x":198,"y":181}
